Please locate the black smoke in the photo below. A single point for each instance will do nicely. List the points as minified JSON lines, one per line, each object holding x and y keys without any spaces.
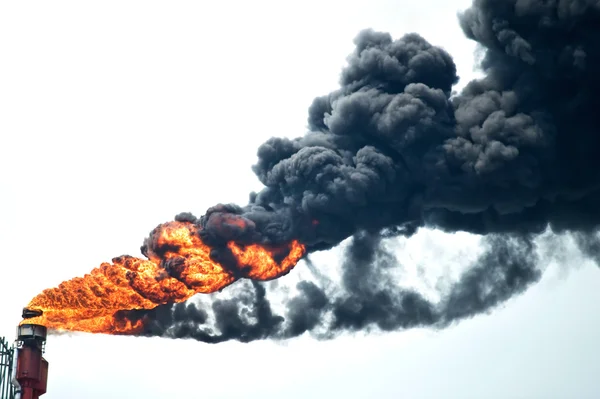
{"x":512,"y":155}
{"x":367,"y":298}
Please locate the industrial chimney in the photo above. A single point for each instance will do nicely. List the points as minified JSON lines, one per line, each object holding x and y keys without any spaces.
{"x":30,"y":369}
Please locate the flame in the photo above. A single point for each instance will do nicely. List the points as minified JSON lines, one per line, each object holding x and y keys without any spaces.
{"x":95,"y":302}
{"x":261,"y":261}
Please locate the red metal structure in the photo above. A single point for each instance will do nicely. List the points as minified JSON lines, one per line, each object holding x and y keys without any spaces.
{"x":30,"y":369}
{"x":23,"y":369}
{"x":31,"y":372}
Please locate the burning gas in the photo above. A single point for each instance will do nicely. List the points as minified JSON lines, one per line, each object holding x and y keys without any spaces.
{"x":98,"y":301}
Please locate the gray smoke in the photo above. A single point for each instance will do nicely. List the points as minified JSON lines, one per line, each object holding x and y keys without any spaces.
{"x":514,"y":154}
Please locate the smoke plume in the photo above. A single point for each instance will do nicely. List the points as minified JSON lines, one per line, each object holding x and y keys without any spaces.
{"x":515,"y":154}
{"x":512,"y":155}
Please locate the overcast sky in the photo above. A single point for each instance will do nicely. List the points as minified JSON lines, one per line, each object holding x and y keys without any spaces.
{"x":117,"y":115}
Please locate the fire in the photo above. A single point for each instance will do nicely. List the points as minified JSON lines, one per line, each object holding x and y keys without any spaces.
{"x":261,"y":261}
{"x":95,"y":302}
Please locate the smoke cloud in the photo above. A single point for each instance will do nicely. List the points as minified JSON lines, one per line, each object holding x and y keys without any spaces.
{"x":512,"y":155}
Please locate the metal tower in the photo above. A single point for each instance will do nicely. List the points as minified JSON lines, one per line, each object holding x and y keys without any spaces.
{"x":7,"y":390}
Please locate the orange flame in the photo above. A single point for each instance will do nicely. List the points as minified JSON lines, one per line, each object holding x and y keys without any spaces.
{"x":94,"y":302}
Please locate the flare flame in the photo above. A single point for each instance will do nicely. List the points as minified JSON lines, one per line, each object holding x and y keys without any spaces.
{"x":98,"y":302}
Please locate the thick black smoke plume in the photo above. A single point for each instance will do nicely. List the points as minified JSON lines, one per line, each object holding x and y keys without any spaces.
{"x":514,"y":154}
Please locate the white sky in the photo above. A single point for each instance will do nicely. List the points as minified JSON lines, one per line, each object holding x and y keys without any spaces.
{"x":117,"y":115}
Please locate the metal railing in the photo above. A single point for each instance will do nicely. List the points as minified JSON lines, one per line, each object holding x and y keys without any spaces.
{"x":6,"y":365}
